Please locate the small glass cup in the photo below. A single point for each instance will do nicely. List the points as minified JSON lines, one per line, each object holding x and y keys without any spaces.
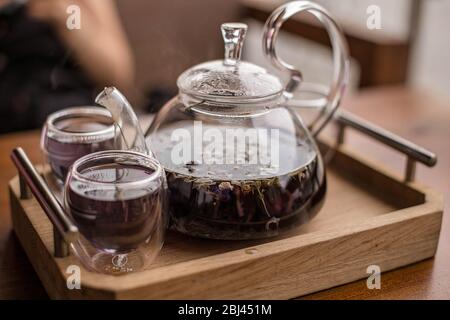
{"x":117,"y":199}
{"x":72,"y":133}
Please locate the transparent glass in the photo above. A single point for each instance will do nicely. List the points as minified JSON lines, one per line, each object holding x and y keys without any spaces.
{"x":328,"y":98}
{"x":240,"y":162}
{"x":117,"y":199}
{"x":72,"y":133}
{"x":124,"y":118}
{"x":243,"y":176}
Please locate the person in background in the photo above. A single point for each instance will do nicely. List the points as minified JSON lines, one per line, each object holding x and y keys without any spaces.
{"x":45,"y":66}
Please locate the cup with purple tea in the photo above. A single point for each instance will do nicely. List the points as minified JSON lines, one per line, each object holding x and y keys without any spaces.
{"x":72,"y":133}
{"x":117,"y":199}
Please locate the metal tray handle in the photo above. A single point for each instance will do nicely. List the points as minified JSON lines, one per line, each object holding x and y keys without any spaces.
{"x":413,"y":152}
{"x":64,"y":231}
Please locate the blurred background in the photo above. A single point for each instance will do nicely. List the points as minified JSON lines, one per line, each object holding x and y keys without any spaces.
{"x":142,"y":47}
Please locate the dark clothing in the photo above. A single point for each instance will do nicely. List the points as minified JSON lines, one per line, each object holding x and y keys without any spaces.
{"x":37,"y":74}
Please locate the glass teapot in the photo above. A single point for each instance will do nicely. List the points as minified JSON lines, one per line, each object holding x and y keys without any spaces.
{"x":239,"y":160}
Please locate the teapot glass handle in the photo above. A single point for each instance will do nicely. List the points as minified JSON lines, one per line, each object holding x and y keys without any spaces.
{"x":331,"y":97}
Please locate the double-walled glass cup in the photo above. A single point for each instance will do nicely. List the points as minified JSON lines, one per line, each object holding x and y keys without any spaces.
{"x":72,"y":133}
{"x":117,"y":200}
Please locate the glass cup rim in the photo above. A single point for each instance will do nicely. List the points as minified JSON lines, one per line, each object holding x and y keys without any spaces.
{"x":66,"y":136}
{"x":157,"y":168}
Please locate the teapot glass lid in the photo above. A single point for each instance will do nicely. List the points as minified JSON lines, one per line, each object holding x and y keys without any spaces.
{"x":230,"y":80}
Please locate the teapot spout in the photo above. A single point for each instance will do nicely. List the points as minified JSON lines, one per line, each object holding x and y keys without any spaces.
{"x":124,"y":118}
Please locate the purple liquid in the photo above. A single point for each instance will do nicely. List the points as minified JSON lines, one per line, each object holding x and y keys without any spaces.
{"x":62,"y":155}
{"x":239,"y":210}
{"x":238,"y":202}
{"x":115,"y":221}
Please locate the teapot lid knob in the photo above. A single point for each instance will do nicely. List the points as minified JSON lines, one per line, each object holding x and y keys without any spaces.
{"x":233,"y":35}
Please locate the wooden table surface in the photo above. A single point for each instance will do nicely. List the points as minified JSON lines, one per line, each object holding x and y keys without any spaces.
{"x":419,"y":116}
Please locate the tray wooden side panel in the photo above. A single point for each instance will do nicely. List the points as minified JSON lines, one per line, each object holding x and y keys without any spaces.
{"x":322,"y":261}
{"x":293,"y":266}
{"x":299,"y":266}
{"x":35,"y":233}
{"x":281,"y":269}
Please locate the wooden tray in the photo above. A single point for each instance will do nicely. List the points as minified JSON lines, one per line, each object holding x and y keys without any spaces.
{"x":370,"y":217}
